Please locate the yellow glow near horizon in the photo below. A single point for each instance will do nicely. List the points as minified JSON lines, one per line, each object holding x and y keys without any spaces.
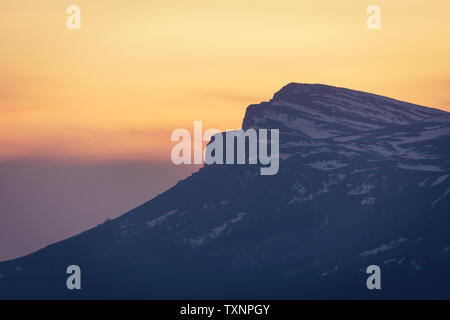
{"x":139,"y":69}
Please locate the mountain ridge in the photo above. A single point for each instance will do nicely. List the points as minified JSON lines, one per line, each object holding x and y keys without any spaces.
{"x":302,"y":103}
{"x":355,"y":188}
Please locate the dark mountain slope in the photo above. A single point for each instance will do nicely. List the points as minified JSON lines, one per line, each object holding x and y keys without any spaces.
{"x":363,"y":180}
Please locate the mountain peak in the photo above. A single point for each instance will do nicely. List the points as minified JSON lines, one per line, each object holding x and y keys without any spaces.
{"x":296,"y":88}
{"x":321,"y":111}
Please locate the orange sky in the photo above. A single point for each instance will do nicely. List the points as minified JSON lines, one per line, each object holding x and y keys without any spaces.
{"x":139,"y":69}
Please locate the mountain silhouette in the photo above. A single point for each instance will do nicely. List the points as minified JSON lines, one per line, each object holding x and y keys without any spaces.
{"x":363,"y":180}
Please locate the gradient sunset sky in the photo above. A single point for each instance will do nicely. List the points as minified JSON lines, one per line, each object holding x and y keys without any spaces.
{"x":86,"y":115}
{"x":139,"y":69}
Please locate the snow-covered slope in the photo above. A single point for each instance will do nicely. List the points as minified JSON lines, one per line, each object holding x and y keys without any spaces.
{"x":363,"y":180}
{"x":318,"y":111}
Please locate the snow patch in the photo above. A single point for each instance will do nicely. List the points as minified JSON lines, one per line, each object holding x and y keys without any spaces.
{"x":424,"y":136}
{"x":361,"y":189}
{"x":415,"y":265}
{"x":306,"y":127}
{"x":347,"y":138}
{"x":383,"y":247}
{"x":362,"y":170}
{"x":368,"y":201}
{"x":390,"y":261}
{"x":216,"y":232}
{"x":381,"y":150}
{"x":423,"y":183}
{"x":285,"y":156}
{"x":419,"y":167}
{"x":440,"y":180}
{"x":329,"y":271}
{"x":446,"y":193}
{"x":300,"y":191}
{"x":160,"y":219}
{"x":327,"y":165}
